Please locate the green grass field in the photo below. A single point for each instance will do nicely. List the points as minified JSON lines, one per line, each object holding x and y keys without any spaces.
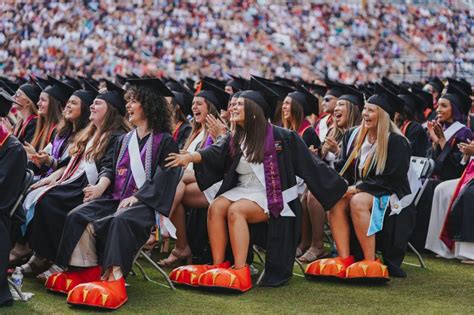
{"x":444,"y":287}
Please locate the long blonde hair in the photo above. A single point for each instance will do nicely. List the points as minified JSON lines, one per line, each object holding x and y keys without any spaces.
{"x":385,"y":126}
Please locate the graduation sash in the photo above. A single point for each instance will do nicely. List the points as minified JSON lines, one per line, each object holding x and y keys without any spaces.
{"x":304,"y":125}
{"x":323,"y":127}
{"x":20,"y":132}
{"x":452,"y":130}
{"x":4,"y":134}
{"x":176,"y":131}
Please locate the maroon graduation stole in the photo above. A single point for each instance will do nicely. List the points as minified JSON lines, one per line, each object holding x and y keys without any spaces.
{"x":304,"y":125}
{"x":4,"y":134}
{"x":20,"y":131}
{"x":465,"y":179}
{"x":272,"y":174}
{"x":405,"y":127}
{"x":124,"y":184}
{"x":176,"y":130}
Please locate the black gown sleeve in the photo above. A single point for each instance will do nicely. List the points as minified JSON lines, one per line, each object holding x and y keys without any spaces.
{"x":158,"y":192}
{"x":323,"y":182}
{"x":29,"y":131}
{"x":12,"y":172}
{"x":183,"y":134}
{"x":213,"y":164}
{"x":418,"y":139}
{"x":311,"y":138}
{"x":396,"y":168}
{"x":105,"y":166}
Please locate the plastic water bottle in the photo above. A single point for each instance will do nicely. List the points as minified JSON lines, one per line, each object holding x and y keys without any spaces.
{"x":17,"y":279}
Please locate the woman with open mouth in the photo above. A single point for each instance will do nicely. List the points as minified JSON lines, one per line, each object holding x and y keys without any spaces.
{"x":26,"y":97}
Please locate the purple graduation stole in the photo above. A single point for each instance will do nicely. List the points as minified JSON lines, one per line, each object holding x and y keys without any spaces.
{"x":208,"y":142}
{"x":272,"y":174}
{"x":57,"y":149}
{"x":124,"y":184}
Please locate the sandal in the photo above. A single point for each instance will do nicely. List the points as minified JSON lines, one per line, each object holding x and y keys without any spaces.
{"x":52,"y":270}
{"x":176,"y":258}
{"x":309,"y":257}
{"x":34,"y":266}
{"x":19,"y":254}
{"x":299,"y":252}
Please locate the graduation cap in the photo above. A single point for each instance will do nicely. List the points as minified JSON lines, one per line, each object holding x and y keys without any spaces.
{"x":414,"y":104}
{"x":153,"y":84}
{"x":72,"y":82}
{"x":427,"y":97}
{"x":334,"y":88}
{"x":316,"y":88}
{"x":458,"y":98}
{"x":284,"y":81}
{"x":32,"y":91}
{"x":307,"y":100}
{"x":114,"y":96}
{"x":174,"y":85}
{"x":437,"y":84}
{"x":464,"y":86}
{"x":42,"y":83}
{"x":264,"y":96}
{"x":280,"y":90}
{"x":6,"y":87}
{"x":88,"y":94}
{"x":6,"y":102}
{"x":354,"y":96}
{"x":216,"y":82}
{"x":237,"y":83}
{"x":386,"y":100}
{"x":121,"y":80}
{"x":390,"y":85}
{"x":214,"y":94}
{"x":9,"y":86}
{"x":190,"y":84}
{"x":184,"y":101}
{"x":59,"y":90}
{"x":90,"y":79}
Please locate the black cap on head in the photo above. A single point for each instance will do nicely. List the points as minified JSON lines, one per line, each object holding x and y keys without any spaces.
{"x":153,"y":84}
{"x":59,"y":90}
{"x":262,"y":95}
{"x":307,"y":100}
{"x":216,"y":82}
{"x":190,"y":84}
{"x":413,"y":104}
{"x":120,"y":79}
{"x":237,"y":83}
{"x":73,"y":82}
{"x":437,"y":84}
{"x":114,"y":96}
{"x":335,"y":89}
{"x":174,"y":85}
{"x":462,"y":85}
{"x":184,"y":101}
{"x":87,"y":96}
{"x":390,"y":85}
{"x":6,"y":102}
{"x":352,"y":95}
{"x":284,"y":81}
{"x":458,"y":98}
{"x":215,"y":95}
{"x":386,"y":100}
{"x":427,"y":97}
{"x":316,"y":88}
{"x":6,"y":87}
{"x":42,"y":83}
{"x":32,"y":91}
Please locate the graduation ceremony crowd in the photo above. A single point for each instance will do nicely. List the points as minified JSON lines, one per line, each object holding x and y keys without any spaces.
{"x":224,"y":164}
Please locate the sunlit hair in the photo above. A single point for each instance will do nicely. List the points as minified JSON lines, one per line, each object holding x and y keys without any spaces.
{"x":113,"y":122}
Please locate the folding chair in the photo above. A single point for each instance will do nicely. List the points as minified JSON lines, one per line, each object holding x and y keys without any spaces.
{"x":423,"y":168}
{"x":16,"y":214}
{"x":156,"y":266}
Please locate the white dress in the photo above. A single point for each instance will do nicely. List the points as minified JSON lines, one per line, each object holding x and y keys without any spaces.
{"x":248,"y":187}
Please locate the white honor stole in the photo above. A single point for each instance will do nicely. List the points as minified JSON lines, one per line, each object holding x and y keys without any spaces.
{"x":139,"y":176}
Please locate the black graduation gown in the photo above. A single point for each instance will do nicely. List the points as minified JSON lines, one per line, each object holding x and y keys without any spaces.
{"x":12,"y":173}
{"x":447,"y":166}
{"x":461,"y":217}
{"x":120,"y":235}
{"x":294,"y":159}
{"x":183,"y":134}
{"x":45,"y":229}
{"x":311,"y":138}
{"x":418,"y":139}
{"x":28,"y":133}
{"x":397,"y":229}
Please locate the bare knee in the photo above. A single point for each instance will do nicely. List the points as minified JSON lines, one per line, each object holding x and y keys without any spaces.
{"x":235,"y":213}
{"x":217,"y":209}
{"x":360,"y":203}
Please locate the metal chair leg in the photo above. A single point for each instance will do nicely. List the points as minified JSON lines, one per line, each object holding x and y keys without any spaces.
{"x":418,"y":255}
{"x":259,"y":280}
{"x":160,"y":270}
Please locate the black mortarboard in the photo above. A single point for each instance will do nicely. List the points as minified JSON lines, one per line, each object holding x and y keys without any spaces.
{"x":190,"y":85}
{"x":307,"y":100}
{"x":6,"y":87}
{"x":316,"y":88}
{"x":335,"y":89}
{"x":42,"y":83}
{"x":284,"y":81}
{"x":437,"y":84}
{"x":59,"y":90}
{"x":281,"y":90}
{"x":121,"y":80}
{"x":90,"y":86}
{"x":114,"y":96}
{"x":458,"y":98}
{"x":262,"y":95}
{"x":390,"y":85}
{"x":463,"y":85}
{"x":414,"y":104}
{"x":427,"y":97}
{"x":184,"y":101}
{"x":214,"y":94}
{"x":237,"y":83}
{"x":367,"y":90}
{"x":386,"y":100}
{"x":72,"y":82}
{"x":9,"y":85}
{"x":6,"y":102}
{"x":153,"y":84}
{"x":87,"y":95}
{"x":216,"y":82}
{"x":32,"y":91}
{"x":174,"y":85}
{"x":353,"y":95}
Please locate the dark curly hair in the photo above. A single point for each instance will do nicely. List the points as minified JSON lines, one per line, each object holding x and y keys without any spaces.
{"x":154,"y":106}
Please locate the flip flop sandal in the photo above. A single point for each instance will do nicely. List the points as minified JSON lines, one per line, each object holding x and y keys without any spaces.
{"x":309,"y":257}
{"x":175,"y":259}
{"x":45,"y":275}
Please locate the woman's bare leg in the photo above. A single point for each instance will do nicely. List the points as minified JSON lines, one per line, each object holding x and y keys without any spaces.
{"x":194,"y":197}
{"x":361,"y":206}
{"x":318,"y":218}
{"x":217,"y":228}
{"x":306,"y":232}
{"x":242,"y":213}
{"x":340,"y":228}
